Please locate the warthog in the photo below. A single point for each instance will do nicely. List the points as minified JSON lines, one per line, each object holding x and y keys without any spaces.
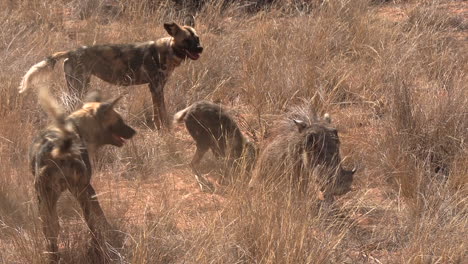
{"x":304,"y":146}
{"x":213,"y":128}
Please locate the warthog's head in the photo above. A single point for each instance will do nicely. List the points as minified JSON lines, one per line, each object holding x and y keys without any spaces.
{"x":321,"y":149}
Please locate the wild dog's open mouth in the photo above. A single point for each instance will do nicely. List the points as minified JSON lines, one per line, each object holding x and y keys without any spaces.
{"x":193,"y":56}
{"x":120,"y":141}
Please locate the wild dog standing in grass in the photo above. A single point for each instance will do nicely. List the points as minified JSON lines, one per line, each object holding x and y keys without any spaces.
{"x":302,"y":146}
{"x":213,"y":128}
{"x":60,"y":161}
{"x":150,"y":62}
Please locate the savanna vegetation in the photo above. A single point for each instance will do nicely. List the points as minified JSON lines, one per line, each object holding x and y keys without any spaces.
{"x":392,"y":74}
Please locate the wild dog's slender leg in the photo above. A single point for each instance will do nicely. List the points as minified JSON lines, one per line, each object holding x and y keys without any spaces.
{"x":93,"y":214}
{"x":159,"y":106}
{"x":201,"y":150}
{"x":230,"y":154}
{"x":157,"y":79}
{"x":77,"y":78}
{"x":231,"y":166}
{"x":92,"y":211}
{"x":47,"y":199}
{"x":218,"y":147}
{"x":204,"y":184}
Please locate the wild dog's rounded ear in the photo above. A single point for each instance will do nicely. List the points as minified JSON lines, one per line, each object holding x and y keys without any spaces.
{"x":114,"y":101}
{"x":103,"y":109}
{"x":106,"y":106}
{"x":93,"y":96}
{"x":301,"y":125}
{"x":189,"y":20}
{"x":172,"y":28}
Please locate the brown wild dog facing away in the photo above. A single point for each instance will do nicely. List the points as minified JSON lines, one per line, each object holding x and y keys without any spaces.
{"x":213,"y":128}
{"x":149,"y":62}
{"x":60,"y":161}
{"x":303,"y":146}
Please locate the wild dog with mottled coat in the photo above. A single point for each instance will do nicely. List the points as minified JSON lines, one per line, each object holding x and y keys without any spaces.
{"x":303,"y":146}
{"x":149,"y":62}
{"x":213,"y":128}
{"x":60,"y":161}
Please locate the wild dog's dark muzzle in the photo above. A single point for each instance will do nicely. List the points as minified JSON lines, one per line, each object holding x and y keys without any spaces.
{"x":194,"y":53}
{"x":121,"y":132}
{"x":199,"y":49}
{"x":127,"y":132}
{"x":194,"y":49}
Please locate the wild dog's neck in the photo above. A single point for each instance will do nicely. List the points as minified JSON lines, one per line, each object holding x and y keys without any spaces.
{"x":87,"y":130}
{"x":175,"y":56}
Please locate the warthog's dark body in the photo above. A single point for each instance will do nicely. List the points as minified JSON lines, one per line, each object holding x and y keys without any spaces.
{"x":301,"y":147}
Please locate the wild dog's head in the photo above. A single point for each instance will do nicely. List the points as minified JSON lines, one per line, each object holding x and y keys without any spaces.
{"x":100,"y":124}
{"x":186,"y":40}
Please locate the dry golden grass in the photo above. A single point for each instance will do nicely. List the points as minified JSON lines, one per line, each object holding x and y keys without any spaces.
{"x":394,"y":77}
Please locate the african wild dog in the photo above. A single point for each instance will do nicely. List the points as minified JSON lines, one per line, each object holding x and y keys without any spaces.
{"x":213,"y":128}
{"x":60,"y":161}
{"x":150,"y":62}
{"x":302,"y":146}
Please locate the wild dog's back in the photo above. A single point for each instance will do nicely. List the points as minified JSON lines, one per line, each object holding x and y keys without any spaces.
{"x":58,"y":141}
{"x":211,"y":126}
{"x":51,"y":147}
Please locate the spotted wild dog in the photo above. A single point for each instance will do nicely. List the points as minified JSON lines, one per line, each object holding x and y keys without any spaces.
{"x":60,"y":161}
{"x":149,"y":62}
{"x":213,"y":128}
{"x":303,"y":146}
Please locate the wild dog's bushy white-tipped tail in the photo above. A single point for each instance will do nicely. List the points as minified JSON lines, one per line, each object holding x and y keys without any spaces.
{"x":57,"y":113}
{"x":51,"y":106}
{"x":179,"y":116}
{"x":40,"y":72}
{"x":31,"y":75}
{"x":64,"y":145}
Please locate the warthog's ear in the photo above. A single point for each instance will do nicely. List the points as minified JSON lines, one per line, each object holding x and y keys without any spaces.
{"x":350,"y":173}
{"x":189,"y":20}
{"x":327,"y":118}
{"x":301,"y":125}
{"x":172,"y":28}
{"x":94,"y":96}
